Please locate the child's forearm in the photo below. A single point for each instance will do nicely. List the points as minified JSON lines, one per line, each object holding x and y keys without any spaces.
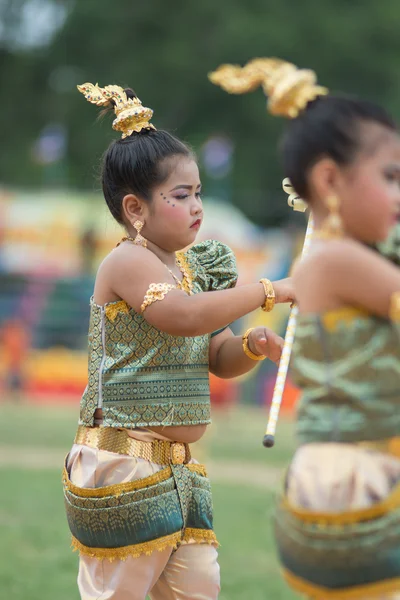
{"x":231,"y":361}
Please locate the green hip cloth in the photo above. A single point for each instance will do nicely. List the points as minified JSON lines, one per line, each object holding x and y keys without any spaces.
{"x":163,"y":510}
{"x":353,"y":554}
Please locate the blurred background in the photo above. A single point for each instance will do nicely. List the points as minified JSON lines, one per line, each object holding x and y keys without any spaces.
{"x":54,"y":230}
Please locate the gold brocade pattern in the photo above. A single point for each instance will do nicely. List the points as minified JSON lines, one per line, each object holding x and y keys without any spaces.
{"x":184,"y":482}
{"x":359,"y":592}
{"x":187,"y":282}
{"x":199,"y":469}
{"x":347,"y":365}
{"x":113,"y":308}
{"x":200,"y":536}
{"x":139,"y":517}
{"x":120,"y":500}
{"x":141,"y":376}
{"x":127,"y":513}
{"x":118,"y":488}
{"x":135,"y":550}
{"x":161,"y":452}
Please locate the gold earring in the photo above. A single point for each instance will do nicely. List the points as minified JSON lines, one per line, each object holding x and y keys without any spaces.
{"x":332,"y":227}
{"x":139,"y":239}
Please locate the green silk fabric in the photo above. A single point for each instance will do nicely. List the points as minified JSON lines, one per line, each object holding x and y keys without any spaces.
{"x":141,"y":376}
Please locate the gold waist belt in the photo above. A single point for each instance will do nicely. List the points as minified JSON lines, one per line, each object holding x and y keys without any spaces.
{"x":117,"y":440}
{"x":388,"y":446}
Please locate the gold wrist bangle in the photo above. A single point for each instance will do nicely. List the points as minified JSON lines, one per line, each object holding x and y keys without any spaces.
{"x":246,"y":349}
{"x":394,"y":312}
{"x":270,"y":298}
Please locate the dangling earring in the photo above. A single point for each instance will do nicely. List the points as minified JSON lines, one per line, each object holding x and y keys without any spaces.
{"x":139,"y":239}
{"x":332,"y":227}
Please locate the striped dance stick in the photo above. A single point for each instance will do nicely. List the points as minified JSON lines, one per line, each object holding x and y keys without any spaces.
{"x":269,"y":438}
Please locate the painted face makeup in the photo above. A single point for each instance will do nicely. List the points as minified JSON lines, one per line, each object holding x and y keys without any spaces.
{"x":176,"y":211}
{"x":166,"y":199}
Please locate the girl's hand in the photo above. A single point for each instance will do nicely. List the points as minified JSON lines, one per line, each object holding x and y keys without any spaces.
{"x":263,"y":341}
{"x":284,"y":290}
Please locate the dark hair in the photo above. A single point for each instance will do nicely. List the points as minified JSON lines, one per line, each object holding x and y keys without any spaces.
{"x":134,"y":165}
{"x":330,"y":126}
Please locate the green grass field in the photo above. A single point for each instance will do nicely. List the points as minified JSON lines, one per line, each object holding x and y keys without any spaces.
{"x":35,"y":560}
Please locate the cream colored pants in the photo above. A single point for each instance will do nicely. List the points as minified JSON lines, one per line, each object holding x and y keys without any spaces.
{"x":339,"y":477}
{"x":189,"y":573}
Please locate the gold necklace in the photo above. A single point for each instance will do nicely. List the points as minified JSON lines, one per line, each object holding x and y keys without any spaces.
{"x":125,"y":239}
{"x":186,"y":283}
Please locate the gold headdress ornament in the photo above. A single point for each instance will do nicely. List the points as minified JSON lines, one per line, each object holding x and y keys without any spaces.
{"x":289,"y":89}
{"x":131,"y":115}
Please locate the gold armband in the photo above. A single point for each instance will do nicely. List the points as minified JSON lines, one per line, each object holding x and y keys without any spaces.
{"x":156,"y":291}
{"x":394,"y":311}
{"x":269,"y":295}
{"x":246,"y":349}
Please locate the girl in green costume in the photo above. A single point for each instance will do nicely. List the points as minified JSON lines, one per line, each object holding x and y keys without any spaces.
{"x":337,"y":524}
{"x":138,"y":505}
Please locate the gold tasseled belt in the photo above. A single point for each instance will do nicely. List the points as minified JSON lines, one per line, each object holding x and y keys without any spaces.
{"x":117,"y":440}
{"x":387,"y":446}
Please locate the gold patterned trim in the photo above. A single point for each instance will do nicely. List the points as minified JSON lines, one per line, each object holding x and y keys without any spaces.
{"x":136,"y":550}
{"x":156,"y":293}
{"x":370,"y":590}
{"x":200,"y":536}
{"x":118,"y":488}
{"x":199,"y":469}
{"x":114,"y":308}
{"x":187,"y":281}
{"x":391,"y":503}
{"x":111,"y":439}
{"x":394,"y":312}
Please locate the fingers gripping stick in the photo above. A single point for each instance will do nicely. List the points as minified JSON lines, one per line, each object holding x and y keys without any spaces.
{"x":269,"y":438}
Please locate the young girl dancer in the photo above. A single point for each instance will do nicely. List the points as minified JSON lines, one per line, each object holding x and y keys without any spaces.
{"x":138,"y":506}
{"x":338,"y":523}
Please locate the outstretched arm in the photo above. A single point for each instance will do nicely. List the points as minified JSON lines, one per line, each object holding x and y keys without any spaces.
{"x":131,"y":271}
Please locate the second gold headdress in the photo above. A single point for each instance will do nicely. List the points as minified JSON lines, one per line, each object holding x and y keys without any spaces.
{"x":288,"y":88}
{"x":131,"y":116}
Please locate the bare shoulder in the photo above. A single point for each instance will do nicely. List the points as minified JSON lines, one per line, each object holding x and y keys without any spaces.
{"x":325,"y":257}
{"x":128,"y":259}
{"x":319,"y":275}
{"x":342,"y":273}
{"x":127,"y":273}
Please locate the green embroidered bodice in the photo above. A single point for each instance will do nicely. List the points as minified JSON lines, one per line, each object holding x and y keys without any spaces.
{"x":347,"y":364}
{"x":141,"y":376}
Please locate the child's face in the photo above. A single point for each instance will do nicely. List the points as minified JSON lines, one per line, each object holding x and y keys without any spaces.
{"x":175,"y":213}
{"x":369,"y":190}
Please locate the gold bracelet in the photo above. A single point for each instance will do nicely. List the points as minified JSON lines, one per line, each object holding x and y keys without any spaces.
{"x":270,"y":298}
{"x":246,"y":349}
{"x":394,"y":311}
